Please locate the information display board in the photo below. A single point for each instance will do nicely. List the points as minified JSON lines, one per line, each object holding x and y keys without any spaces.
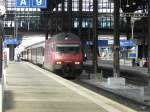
{"x":9,"y":40}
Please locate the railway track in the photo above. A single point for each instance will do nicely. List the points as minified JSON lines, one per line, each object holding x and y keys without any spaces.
{"x":139,"y":80}
{"x":139,"y":107}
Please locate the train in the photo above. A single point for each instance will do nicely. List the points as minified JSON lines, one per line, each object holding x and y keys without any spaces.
{"x":60,"y":53}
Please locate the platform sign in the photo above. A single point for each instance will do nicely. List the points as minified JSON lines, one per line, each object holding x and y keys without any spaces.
{"x":8,"y":40}
{"x":89,"y":43}
{"x":11,"y":41}
{"x":125,"y":43}
{"x":22,"y":3}
{"x":103,"y":43}
{"x":39,"y":3}
{"x":31,"y":3}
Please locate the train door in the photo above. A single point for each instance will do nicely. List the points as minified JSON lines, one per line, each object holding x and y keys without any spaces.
{"x":36,"y":55}
{"x":43,"y":58}
{"x":40,"y":55}
{"x":29,"y":54}
{"x":32,"y":55}
{"x":46,"y":54}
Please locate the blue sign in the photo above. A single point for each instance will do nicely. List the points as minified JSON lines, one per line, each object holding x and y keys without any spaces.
{"x":22,"y":3}
{"x":102,"y":43}
{"x":31,"y":3}
{"x":125,"y":43}
{"x":89,"y":43}
{"x":39,"y":3}
{"x":11,"y":41}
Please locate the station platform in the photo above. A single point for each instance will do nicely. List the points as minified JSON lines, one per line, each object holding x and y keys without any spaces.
{"x":128,"y":91}
{"x":29,"y":88}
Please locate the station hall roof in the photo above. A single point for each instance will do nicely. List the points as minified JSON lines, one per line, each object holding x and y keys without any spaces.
{"x":51,"y":4}
{"x":133,"y":5}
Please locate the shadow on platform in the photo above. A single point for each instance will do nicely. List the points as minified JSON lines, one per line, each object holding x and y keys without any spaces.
{"x":8,"y":100}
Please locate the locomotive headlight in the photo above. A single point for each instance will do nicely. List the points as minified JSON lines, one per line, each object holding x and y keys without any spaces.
{"x":77,"y":63}
{"x":58,"y":62}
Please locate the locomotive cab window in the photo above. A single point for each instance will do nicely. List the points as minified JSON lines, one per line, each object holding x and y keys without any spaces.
{"x":68,"y":48}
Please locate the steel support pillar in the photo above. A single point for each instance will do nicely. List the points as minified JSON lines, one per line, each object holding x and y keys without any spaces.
{"x":70,"y":15}
{"x":56,"y":30}
{"x":80,"y":19}
{"x":11,"y":52}
{"x":46,"y":35}
{"x":128,"y":27}
{"x":116,"y":64}
{"x":149,"y":42}
{"x":145,"y":91}
{"x":62,"y":23}
{"x":52,"y":25}
{"x":95,"y":37}
{"x":48,"y":28}
{"x":1,"y":68}
{"x":1,"y":49}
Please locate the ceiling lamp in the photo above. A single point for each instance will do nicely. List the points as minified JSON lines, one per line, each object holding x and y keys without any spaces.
{"x":127,"y":5}
{"x":120,"y":6}
{"x":133,"y":3}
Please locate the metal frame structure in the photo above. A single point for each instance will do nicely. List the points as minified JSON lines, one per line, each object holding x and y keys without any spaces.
{"x":105,"y":15}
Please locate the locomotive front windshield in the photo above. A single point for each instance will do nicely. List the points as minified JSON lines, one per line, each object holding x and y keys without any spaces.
{"x":68,"y":48}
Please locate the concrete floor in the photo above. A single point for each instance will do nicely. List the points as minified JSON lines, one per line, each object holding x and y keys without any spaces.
{"x":31,"y":89}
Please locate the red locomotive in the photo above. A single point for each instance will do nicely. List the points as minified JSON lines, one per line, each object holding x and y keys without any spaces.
{"x":62,"y":52}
